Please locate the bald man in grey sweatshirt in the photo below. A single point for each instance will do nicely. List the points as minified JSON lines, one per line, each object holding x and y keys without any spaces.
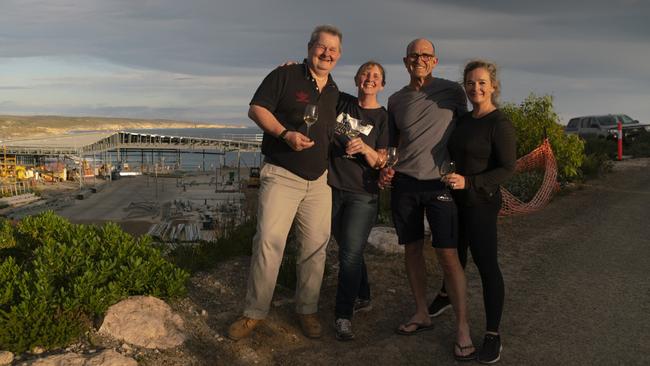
{"x":421,"y":118}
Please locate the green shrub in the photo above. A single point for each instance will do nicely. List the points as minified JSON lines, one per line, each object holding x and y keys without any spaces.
{"x":6,"y":235}
{"x":384,"y":215}
{"x":287,"y":274}
{"x":237,"y":242}
{"x":66,"y":274}
{"x":600,"y":146}
{"x":199,"y":257}
{"x":640,"y":147}
{"x":8,"y":286}
{"x":599,"y":153}
{"x":595,"y":165}
{"x":534,"y":119}
{"x":525,"y":185}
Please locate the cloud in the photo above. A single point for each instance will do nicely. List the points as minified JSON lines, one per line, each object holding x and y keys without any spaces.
{"x":166,"y":56}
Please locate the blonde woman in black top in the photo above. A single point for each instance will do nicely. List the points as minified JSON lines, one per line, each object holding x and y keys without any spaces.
{"x":483,"y":148}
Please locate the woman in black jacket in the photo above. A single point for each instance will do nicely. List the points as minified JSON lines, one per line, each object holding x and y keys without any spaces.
{"x":483,"y":148}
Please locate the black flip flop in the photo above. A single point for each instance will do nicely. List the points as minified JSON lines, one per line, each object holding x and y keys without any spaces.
{"x":419,"y":327}
{"x":462,"y":358}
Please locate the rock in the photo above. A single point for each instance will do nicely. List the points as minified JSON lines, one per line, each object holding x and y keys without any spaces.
{"x":6,"y":358}
{"x":144,"y":321}
{"x":105,"y":358}
{"x":385,"y":239}
{"x":38,"y":350}
{"x":125,"y":349}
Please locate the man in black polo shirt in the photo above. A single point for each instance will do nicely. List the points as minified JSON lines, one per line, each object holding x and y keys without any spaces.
{"x":293,"y":181}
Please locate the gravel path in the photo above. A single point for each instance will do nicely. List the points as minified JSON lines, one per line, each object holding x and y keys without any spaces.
{"x":578,"y":289}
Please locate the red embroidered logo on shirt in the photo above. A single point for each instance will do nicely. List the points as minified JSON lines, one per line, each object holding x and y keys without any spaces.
{"x":302,"y":97}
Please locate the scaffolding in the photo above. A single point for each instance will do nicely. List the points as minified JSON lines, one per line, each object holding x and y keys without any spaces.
{"x":7,"y":165}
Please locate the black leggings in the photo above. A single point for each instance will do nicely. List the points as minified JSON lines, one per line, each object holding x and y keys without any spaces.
{"x":478,"y":230}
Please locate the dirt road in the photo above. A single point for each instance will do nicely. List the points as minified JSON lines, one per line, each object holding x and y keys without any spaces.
{"x":578,"y":281}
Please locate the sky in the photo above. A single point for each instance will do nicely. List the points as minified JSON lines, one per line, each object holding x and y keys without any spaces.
{"x":202,"y":60}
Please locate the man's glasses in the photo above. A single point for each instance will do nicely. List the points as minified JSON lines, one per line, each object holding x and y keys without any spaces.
{"x":426,"y":57}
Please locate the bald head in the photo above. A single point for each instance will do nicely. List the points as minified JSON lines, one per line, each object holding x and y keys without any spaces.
{"x":419,"y":42}
{"x":420,"y":61}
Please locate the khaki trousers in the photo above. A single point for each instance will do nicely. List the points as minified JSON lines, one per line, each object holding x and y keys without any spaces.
{"x":283,"y":197}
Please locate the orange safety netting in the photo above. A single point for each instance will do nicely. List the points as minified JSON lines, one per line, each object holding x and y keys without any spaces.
{"x":541,"y":158}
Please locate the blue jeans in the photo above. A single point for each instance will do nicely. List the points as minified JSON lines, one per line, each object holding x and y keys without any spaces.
{"x":353,"y":215}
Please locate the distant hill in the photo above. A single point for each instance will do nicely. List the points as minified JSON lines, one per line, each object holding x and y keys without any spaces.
{"x":12,"y":127}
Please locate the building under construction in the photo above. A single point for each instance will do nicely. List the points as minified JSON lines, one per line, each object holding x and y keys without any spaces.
{"x":87,"y":155}
{"x":211,"y":196}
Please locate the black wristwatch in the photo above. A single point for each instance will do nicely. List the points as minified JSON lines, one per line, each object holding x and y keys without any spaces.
{"x":282,"y":134}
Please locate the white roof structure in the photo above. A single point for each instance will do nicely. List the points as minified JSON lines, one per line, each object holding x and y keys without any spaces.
{"x":97,"y":142}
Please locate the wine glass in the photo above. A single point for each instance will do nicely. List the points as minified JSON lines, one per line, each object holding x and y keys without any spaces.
{"x":351,"y":133}
{"x":311,"y":115}
{"x":391,"y":160}
{"x":446,"y":168}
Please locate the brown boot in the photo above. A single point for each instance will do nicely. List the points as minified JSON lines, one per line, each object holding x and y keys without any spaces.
{"x":310,"y":325}
{"x":242,"y":328}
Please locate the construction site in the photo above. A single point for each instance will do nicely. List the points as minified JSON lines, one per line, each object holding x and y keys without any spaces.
{"x":91,"y":180}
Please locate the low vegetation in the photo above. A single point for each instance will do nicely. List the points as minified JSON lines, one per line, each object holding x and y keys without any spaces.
{"x":205,"y":255}
{"x":236,"y":242}
{"x":56,"y":277}
{"x":640,"y":147}
{"x":525,"y":185}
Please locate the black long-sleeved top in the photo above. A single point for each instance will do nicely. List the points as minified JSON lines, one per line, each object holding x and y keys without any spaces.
{"x":484,"y":150}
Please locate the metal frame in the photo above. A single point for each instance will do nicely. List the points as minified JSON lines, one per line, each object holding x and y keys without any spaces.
{"x":129,"y":140}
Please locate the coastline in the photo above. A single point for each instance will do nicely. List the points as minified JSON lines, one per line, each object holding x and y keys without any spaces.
{"x":16,"y":127}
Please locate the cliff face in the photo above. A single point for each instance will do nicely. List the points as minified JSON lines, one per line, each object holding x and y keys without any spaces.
{"x":13,"y":127}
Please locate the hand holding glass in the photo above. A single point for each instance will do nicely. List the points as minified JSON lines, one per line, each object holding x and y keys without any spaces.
{"x":446,"y":168}
{"x":311,"y":116}
{"x":350,"y":133}
{"x":391,"y":160}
